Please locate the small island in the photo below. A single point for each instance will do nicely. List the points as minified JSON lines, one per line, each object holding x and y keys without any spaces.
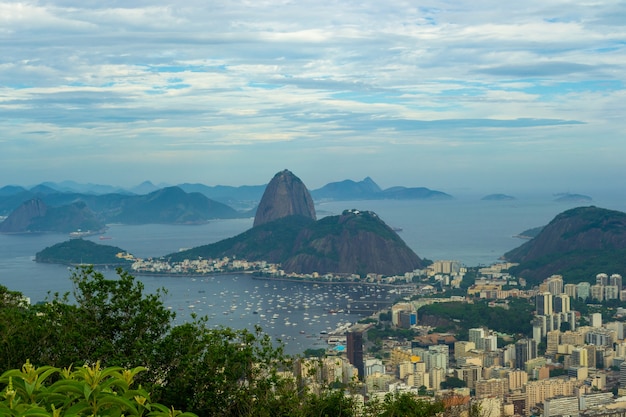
{"x":81,"y":252}
{"x":574,"y":198}
{"x":498,"y":197}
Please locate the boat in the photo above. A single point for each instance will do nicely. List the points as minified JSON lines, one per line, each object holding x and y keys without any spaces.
{"x":105,"y":238}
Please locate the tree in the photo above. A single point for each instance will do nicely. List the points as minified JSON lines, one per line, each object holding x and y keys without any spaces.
{"x":111,"y":321}
{"x":452,"y":382}
{"x":223,"y":372}
{"x":21,"y":331}
{"x":404,"y":404}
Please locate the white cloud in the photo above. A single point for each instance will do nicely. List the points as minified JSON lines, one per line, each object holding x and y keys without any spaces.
{"x":270,"y":79}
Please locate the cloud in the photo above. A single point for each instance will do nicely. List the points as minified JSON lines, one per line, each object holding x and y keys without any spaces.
{"x":310,"y":81}
{"x":538,"y":70}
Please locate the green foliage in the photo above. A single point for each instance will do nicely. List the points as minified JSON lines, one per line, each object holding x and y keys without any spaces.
{"x":149,"y":367}
{"x":238,"y":371}
{"x":516,"y":319}
{"x":385,"y":316}
{"x":90,"y":390}
{"x":469,"y":278}
{"x":332,"y":403}
{"x":554,"y":372}
{"x":314,"y":353}
{"x":404,"y":404}
{"x":112,"y":321}
{"x":271,"y":241}
{"x":378,"y":333}
{"x":452,"y":382}
{"x":576,"y":266}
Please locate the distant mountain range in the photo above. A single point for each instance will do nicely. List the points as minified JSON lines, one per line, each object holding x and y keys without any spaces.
{"x":45,"y":210}
{"x":148,"y":203}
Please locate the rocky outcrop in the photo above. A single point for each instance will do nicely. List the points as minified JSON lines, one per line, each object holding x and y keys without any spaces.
{"x":284,"y":196}
{"x":21,"y":219}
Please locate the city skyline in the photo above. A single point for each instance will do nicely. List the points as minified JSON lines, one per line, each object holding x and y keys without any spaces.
{"x":462,"y":96}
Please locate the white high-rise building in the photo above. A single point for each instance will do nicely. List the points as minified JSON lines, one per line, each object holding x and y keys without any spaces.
{"x":596,"y":319}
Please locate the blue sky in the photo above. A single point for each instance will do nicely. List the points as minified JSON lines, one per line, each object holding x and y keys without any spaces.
{"x":450,"y":95}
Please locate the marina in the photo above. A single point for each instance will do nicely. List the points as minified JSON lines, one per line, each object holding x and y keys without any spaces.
{"x":301,"y":315}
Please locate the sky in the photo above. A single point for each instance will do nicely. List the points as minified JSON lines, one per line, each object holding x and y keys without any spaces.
{"x":449,"y":95}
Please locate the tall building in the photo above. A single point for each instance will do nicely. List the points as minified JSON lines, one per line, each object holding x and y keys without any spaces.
{"x":611,"y":292}
{"x":583,"y":290}
{"x":354,"y":350}
{"x":462,"y":347}
{"x":539,"y":391}
{"x":561,"y":303}
{"x":616,"y":279}
{"x":492,"y":388}
{"x":596,"y":320}
{"x":597,"y":292}
{"x":602,"y":279}
{"x":622,"y":374}
{"x":571,"y":319}
{"x":570,"y":289}
{"x":437,"y":357}
{"x":446,"y":267}
{"x":491,"y":343}
{"x":477,"y":336}
{"x":552,"y":343}
{"x":469,"y":374}
{"x":517,"y":379}
{"x":555,"y":284}
{"x":579,"y":356}
{"x":525,"y":349}
{"x":437,"y":376}
{"x":544,"y":304}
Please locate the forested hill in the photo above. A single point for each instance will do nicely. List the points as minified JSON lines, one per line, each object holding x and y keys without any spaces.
{"x":80,"y":251}
{"x":459,"y":317}
{"x":576,"y":244}
{"x":356,"y":242}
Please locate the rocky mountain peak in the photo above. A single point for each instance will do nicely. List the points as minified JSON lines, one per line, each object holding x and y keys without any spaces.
{"x":285,"y":195}
{"x":21,"y":218}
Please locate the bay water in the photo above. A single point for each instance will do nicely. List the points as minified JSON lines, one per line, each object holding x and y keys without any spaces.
{"x":465,"y":229}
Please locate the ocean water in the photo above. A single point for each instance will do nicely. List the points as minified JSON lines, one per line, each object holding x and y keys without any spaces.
{"x":466,"y":229}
